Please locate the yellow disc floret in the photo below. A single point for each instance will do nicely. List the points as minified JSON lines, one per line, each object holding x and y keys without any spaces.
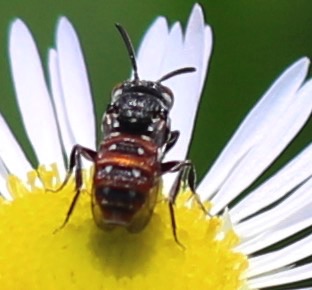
{"x":34,"y":254}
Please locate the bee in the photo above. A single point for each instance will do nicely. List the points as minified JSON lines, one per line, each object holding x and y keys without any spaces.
{"x":128,"y":165}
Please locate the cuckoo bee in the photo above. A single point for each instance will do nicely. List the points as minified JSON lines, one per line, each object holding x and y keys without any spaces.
{"x":129,"y":161}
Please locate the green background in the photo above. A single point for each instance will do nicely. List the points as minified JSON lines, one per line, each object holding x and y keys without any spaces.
{"x":254,"y":41}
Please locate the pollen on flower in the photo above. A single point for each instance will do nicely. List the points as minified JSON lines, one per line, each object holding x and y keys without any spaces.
{"x":33,"y":255}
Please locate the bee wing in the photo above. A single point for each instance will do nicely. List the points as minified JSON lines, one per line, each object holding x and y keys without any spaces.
{"x":261,"y":137}
{"x":33,"y":96}
{"x":75,"y":85}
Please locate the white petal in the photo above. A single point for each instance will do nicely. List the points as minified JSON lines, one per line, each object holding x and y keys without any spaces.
{"x":11,"y":153}
{"x":285,"y":180}
{"x":288,"y":276}
{"x":162,"y":52}
{"x":290,"y":226}
{"x":187,"y":87}
{"x":274,"y":260}
{"x":194,"y":51}
{"x":260,"y":157}
{"x":173,"y":54}
{"x":3,"y":171}
{"x":261,"y":137}
{"x":68,"y":139}
{"x":4,"y":192}
{"x":301,"y":215}
{"x":268,"y":219}
{"x":32,"y":95}
{"x":207,"y":53}
{"x":75,"y":84}
{"x":151,"y":50}
{"x":172,"y":61}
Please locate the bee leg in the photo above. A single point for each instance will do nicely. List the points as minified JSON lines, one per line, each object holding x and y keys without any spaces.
{"x":174,"y":166}
{"x":75,"y":161}
{"x":171,"y":201}
{"x":173,"y":138}
{"x":77,"y":149}
{"x":190,"y":176}
{"x":186,"y":172}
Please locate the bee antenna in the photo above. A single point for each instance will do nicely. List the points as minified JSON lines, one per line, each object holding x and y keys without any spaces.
{"x":128,"y":43}
{"x":176,"y":72}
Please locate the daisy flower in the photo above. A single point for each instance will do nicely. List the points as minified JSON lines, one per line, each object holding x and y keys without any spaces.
{"x":231,"y":249}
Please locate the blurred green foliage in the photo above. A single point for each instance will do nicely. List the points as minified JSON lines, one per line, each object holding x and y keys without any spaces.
{"x":253,"y":42}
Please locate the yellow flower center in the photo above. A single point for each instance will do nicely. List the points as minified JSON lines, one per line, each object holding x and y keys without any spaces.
{"x":33,"y":255}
